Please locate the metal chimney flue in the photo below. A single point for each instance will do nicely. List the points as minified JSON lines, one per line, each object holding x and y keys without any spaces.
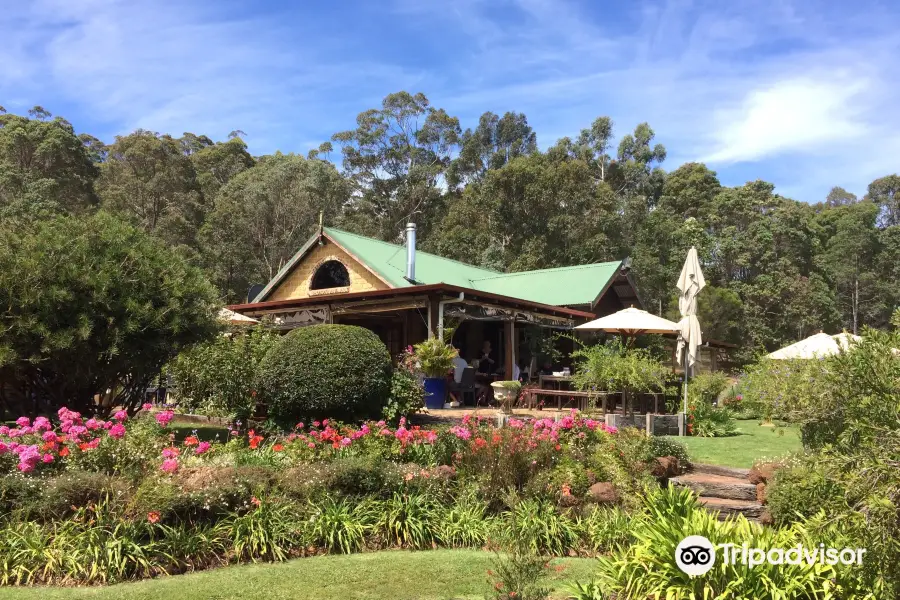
{"x":411,"y":252}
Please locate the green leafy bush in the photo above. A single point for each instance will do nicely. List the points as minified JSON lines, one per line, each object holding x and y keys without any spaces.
{"x":663,"y":446}
{"x":338,"y":526}
{"x":613,"y":367}
{"x":646,"y":569}
{"x":801,"y":488}
{"x":517,"y":575}
{"x":707,"y":386}
{"x":217,"y":378}
{"x":325,"y":371}
{"x":93,"y":305}
{"x":406,"y":398}
{"x":538,"y":528}
{"x":706,"y":420}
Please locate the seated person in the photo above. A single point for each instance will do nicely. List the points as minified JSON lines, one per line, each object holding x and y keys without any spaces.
{"x":459,"y":365}
{"x":485,"y":360}
{"x":546,"y":368}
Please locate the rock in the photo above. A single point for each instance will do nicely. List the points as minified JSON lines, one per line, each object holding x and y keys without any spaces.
{"x":603,"y":493}
{"x":763,"y":472}
{"x":761,"y":493}
{"x":666,"y":467}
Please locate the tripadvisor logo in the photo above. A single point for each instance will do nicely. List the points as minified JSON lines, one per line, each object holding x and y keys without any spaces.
{"x":696,"y":555}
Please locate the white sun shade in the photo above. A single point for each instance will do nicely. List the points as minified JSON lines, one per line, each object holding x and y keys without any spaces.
{"x":631,"y":321}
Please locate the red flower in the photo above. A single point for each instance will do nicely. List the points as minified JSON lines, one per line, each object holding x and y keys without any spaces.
{"x":64,"y":451}
{"x":558,"y":447}
{"x":255,"y":440}
{"x":255,"y":501}
{"x":191,"y":440}
{"x":277,"y":447}
{"x":153,"y":516}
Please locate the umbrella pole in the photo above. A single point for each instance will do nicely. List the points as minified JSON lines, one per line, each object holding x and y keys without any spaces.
{"x":685,"y":381}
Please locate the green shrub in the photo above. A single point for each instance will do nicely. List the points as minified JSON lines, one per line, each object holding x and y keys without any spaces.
{"x":539,"y":528}
{"x":663,"y":446}
{"x":268,"y":531}
{"x":218,"y":377}
{"x":406,"y":398}
{"x":63,"y":494}
{"x":802,"y":488}
{"x":360,"y":476}
{"x":94,"y":304}
{"x":646,"y":569}
{"x":435,"y":357}
{"x":326,"y":371}
{"x":607,"y":529}
{"x":133,"y":456}
{"x":465,"y":523}
{"x":706,"y":420}
{"x":407,"y":520}
{"x":707,"y":386}
{"x":338,"y":526}
{"x":518,"y":576}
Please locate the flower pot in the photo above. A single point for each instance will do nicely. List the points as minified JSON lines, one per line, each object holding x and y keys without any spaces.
{"x":504,"y":396}
{"x":435,"y":392}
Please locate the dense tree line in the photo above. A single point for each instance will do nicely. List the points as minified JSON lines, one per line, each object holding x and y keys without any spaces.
{"x":777,"y":269}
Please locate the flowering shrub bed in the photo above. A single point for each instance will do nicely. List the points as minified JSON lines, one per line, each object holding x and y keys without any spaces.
{"x":71,"y":487}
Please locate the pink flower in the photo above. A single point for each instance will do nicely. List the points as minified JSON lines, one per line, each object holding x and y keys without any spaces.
{"x":311,"y":445}
{"x":3,"y":448}
{"x":49,"y":436}
{"x":93,"y":424}
{"x":300,"y":425}
{"x":117,"y":431}
{"x":164,"y":417}
{"x":325,"y":422}
{"x":120,"y":415}
{"x":202,"y":447}
{"x":42,"y":423}
{"x":25,"y":467}
{"x":170,"y":465}
{"x":147,"y":406}
{"x":316,"y":423}
{"x":23,"y":421}
{"x":47,"y":459}
{"x":345,"y":442}
{"x":4,"y":430}
{"x":170,"y":452}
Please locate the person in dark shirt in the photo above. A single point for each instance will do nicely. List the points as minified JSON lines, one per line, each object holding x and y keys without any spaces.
{"x":485,"y":359}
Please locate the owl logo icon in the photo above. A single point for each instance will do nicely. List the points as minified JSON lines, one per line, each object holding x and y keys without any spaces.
{"x":695,"y":555}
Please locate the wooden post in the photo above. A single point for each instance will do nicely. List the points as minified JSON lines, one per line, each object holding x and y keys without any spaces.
{"x":509,"y":340}
{"x":434,"y":312}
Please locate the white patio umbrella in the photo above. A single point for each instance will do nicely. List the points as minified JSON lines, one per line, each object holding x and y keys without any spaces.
{"x":631,"y":322}
{"x":816,"y":346}
{"x":690,"y":282}
{"x":234,"y":318}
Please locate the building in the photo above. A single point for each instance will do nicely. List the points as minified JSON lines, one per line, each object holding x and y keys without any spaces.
{"x":405,"y":295}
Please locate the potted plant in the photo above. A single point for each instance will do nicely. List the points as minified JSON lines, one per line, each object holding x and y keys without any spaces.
{"x":435,"y":358}
{"x":506,"y":392}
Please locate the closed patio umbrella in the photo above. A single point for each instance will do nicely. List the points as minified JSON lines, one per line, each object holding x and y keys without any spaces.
{"x":690,"y":282}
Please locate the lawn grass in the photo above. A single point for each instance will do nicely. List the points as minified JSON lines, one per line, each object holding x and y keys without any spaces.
{"x":752,"y":443}
{"x":205,"y":432}
{"x":395,"y":575}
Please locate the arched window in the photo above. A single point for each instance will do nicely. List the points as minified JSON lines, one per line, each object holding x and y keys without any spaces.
{"x":330,"y":274}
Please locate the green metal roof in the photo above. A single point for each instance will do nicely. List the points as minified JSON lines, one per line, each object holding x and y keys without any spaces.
{"x":563,"y":286}
{"x":389,"y":261}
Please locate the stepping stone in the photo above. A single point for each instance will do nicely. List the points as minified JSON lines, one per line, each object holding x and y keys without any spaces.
{"x":717,"y":486}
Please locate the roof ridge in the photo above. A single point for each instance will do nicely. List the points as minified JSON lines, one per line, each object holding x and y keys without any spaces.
{"x":399,"y":247}
{"x":532,"y":272}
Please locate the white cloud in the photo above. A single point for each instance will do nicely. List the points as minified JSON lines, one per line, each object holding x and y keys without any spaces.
{"x":803,"y":114}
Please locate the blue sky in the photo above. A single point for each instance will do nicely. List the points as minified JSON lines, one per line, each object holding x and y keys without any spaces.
{"x":803,"y":94}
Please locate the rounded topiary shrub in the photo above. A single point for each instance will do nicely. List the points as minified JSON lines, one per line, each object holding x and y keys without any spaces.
{"x":325,"y":371}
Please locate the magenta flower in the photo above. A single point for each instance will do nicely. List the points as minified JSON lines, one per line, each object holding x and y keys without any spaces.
{"x":170,"y":465}
{"x":164,"y":417}
{"x":311,"y":445}
{"x":345,"y":442}
{"x":117,"y":431}
{"x":120,"y":415}
{"x":93,"y":424}
{"x":47,"y":459}
{"x":42,"y":424}
{"x":169,"y":453}
{"x":49,"y":436}
{"x":201,"y":448}
{"x":3,"y":448}
{"x":147,"y":406}
{"x":23,"y":421}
